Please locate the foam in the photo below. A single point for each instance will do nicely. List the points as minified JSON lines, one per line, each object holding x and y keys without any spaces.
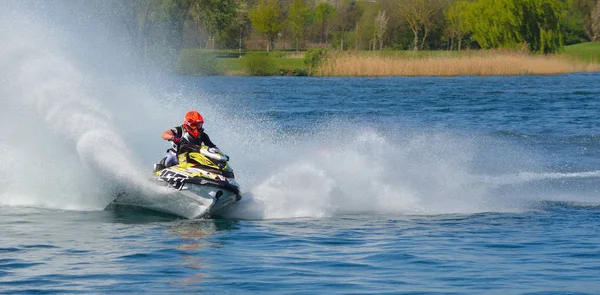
{"x":76,"y":134}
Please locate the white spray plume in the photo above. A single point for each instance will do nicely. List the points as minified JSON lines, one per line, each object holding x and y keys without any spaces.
{"x":61,"y":146}
{"x":71,"y":138}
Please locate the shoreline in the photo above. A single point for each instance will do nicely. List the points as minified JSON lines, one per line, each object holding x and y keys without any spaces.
{"x":478,"y":64}
{"x":581,"y":58}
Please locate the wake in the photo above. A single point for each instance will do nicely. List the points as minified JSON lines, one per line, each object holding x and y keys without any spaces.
{"x":423,"y":173}
{"x":525,"y":177}
{"x":75,"y":138}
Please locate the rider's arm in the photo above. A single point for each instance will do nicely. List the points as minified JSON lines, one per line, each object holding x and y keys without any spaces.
{"x":207,"y":141}
{"x":168,"y":135}
{"x":171,"y":134}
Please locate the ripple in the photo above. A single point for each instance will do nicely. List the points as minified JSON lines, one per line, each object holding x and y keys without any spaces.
{"x":17,"y":265}
{"x":41,"y":246}
{"x":9,"y":250}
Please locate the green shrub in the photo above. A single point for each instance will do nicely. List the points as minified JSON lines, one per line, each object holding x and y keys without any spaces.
{"x":314,"y":57}
{"x":293,"y":72}
{"x":299,"y":72}
{"x":198,"y":62}
{"x":259,"y":64}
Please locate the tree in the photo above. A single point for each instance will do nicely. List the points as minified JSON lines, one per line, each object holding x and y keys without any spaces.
{"x":266,"y":17}
{"x":491,"y":22}
{"x":496,"y":23}
{"x":573,"y":30}
{"x":365,"y":27}
{"x":173,"y":14}
{"x":215,"y":16}
{"x":324,"y":12}
{"x":539,"y":23}
{"x":455,"y":28}
{"x":241,"y":22}
{"x":596,"y":23}
{"x":348,"y":15}
{"x":585,"y":10}
{"x":419,"y":14}
{"x":380,"y":27}
{"x":299,"y":17}
{"x":143,"y":10}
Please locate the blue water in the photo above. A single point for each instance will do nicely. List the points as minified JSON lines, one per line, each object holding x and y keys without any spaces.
{"x":394,"y":185}
{"x":544,"y":241}
{"x":554,"y":251}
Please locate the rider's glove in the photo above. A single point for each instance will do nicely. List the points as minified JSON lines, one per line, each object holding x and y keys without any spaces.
{"x":176,"y":139}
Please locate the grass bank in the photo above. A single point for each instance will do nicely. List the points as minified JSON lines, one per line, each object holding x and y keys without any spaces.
{"x":284,"y":64}
{"x":584,"y":57}
{"x":589,"y":51}
{"x":472,"y":63}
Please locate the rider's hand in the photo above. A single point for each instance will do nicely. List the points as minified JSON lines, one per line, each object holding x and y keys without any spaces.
{"x":176,"y":139}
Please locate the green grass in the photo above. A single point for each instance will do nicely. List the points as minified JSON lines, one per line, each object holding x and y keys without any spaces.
{"x":589,"y":51}
{"x":235,"y":65}
{"x":229,"y":65}
{"x":289,"y":63}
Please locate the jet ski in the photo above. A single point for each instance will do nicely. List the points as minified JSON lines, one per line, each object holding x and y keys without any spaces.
{"x":200,"y":186}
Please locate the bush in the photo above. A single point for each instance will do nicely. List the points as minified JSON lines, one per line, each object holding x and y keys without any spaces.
{"x":299,"y":72}
{"x":259,"y":64}
{"x":293,"y":72}
{"x":314,"y":57}
{"x":197,"y":62}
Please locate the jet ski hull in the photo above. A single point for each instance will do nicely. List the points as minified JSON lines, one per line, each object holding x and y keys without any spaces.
{"x":191,"y":201}
{"x":200,"y":186}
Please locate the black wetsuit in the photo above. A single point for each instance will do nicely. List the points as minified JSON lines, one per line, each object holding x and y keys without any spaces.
{"x":202,"y":138}
{"x":170,"y":158}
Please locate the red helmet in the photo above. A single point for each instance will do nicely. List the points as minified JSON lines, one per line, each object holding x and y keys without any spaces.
{"x":193,"y":119}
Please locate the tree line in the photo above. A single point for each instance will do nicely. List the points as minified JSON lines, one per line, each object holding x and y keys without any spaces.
{"x":541,"y":26}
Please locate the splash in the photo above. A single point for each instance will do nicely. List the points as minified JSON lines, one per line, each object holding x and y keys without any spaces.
{"x":76,"y":133}
{"x":418,"y":173}
{"x":64,"y":145}
{"x":422,"y":174}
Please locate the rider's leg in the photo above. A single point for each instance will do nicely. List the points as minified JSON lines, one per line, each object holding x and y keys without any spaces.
{"x":171,"y":159}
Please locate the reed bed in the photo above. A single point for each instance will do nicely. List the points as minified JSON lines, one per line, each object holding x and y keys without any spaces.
{"x":468,"y":64}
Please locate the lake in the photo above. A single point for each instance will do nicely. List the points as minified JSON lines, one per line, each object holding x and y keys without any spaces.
{"x":398,"y":185}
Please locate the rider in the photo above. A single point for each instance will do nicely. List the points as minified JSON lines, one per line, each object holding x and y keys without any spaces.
{"x":190,"y":132}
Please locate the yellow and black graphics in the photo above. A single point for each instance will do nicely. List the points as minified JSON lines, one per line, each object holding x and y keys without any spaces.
{"x":191,"y":159}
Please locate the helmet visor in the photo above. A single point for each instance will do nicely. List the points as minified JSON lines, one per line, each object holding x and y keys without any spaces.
{"x":195,"y":125}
